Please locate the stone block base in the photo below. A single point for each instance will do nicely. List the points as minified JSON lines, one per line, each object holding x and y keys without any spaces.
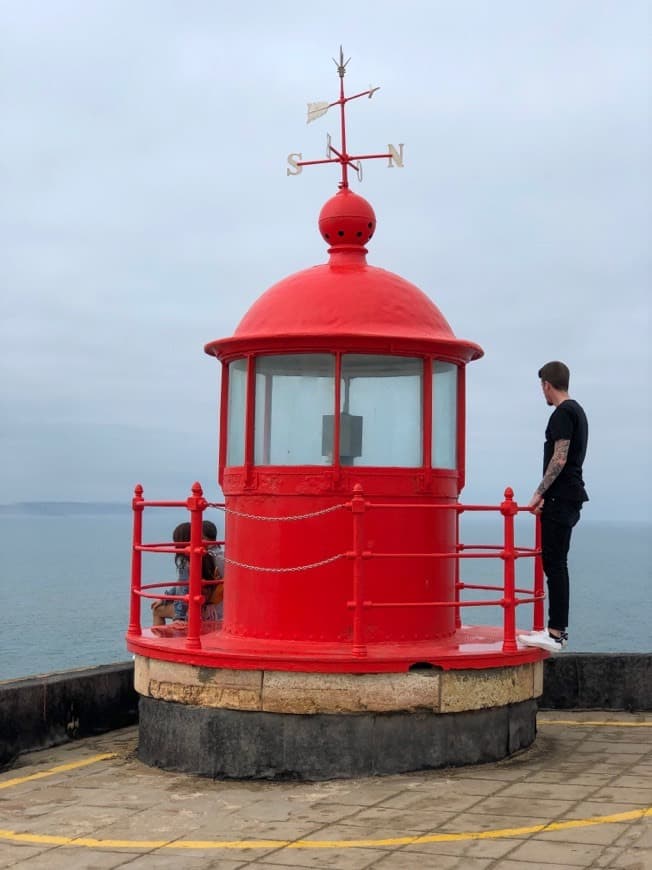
{"x":418,"y":691}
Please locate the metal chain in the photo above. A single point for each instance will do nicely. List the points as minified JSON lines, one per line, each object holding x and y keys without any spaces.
{"x":285,"y":570}
{"x":233,"y":513}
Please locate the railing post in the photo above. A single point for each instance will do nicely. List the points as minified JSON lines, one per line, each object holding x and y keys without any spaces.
{"x":508,"y":509}
{"x":358,"y":506}
{"x":196,"y":505}
{"x":458,"y":550}
{"x":538,"y":577}
{"x":136,"y":562}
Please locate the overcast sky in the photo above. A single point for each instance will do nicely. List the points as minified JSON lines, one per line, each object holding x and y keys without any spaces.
{"x":145,"y":206}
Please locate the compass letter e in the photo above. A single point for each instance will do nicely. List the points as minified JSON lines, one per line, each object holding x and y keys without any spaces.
{"x":292,"y":160}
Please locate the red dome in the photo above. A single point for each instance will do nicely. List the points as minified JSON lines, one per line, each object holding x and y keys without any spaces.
{"x":344,"y":298}
{"x":351,"y":299}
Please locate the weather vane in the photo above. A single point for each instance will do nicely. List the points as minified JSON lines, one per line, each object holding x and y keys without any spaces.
{"x":394,"y":156}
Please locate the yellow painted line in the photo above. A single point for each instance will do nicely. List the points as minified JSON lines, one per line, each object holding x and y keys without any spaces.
{"x":60,"y":768}
{"x":614,"y":723}
{"x":91,"y":842}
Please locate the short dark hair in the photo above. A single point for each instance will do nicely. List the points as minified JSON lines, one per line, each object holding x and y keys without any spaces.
{"x":181,"y":534}
{"x":556,"y":373}
{"x":209,"y":530}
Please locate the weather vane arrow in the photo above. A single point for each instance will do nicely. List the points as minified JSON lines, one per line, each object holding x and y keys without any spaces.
{"x":393,"y":155}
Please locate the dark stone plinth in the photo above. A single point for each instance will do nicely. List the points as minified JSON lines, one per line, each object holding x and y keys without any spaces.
{"x":222,"y":743}
{"x":597,"y":681}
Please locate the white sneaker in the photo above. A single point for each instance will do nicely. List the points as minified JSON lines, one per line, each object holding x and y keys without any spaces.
{"x":544,"y":640}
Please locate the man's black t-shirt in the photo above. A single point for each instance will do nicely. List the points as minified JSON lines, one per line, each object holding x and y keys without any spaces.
{"x":567,"y":423}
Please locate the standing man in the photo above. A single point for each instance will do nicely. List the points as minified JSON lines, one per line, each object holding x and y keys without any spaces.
{"x":559,"y":498}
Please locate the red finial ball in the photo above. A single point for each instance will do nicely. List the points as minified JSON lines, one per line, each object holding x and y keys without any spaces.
{"x":347,"y":219}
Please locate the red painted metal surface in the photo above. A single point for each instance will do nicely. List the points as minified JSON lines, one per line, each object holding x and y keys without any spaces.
{"x":347,"y":305}
{"x":361,"y":603}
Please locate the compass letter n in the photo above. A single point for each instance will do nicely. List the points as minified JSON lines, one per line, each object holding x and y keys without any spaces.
{"x":395,"y":157}
{"x":292,"y":160}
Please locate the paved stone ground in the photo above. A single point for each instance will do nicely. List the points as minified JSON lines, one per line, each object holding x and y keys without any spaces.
{"x":580,"y":798}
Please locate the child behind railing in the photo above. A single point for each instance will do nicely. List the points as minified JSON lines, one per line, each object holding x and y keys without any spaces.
{"x":212,"y":569}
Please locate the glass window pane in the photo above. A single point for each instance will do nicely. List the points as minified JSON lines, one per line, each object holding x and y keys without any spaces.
{"x":444,"y":415}
{"x":235,"y":438}
{"x":295,"y":395}
{"x":381,"y":411}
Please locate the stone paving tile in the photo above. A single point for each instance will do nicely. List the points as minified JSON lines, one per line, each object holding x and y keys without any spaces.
{"x":358,"y":794}
{"x":608,"y":854}
{"x":566,"y":854}
{"x":434,"y":861}
{"x":613,"y":748}
{"x":182,"y":859}
{"x":76,"y":821}
{"x":164,"y":826}
{"x":103,"y":799}
{"x":630,"y":859}
{"x":520,"y":864}
{"x":638,"y":835}
{"x":614,"y":858}
{"x":40,"y":798}
{"x":348,"y":833}
{"x":72,"y":858}
{"x":562,"y":777}
{"x":613,"y":794}
{"x":494,"y":849}
{"x":552,"y":791}
{"x":471,"y":787}
{"x":338,"y":859}
{"x":641,"y":836}
{"x":589,"y":809}
{"x":498,"y":774}
{"x":10,"y":853}
{"x":597,"y":835}
{"x":485,"y":821}
{"x":400,"y":823}
{"x":449,"y":800}
{"x":322,"y":814}
{"x":541,"y":808}
{"x":632,"y":780}
{"x":253,"y":865}
{"x":158,"y":860}
{"x":256,"y":830}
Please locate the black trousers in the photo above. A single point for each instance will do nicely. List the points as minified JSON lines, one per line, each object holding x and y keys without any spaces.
{"x":558,"y":518}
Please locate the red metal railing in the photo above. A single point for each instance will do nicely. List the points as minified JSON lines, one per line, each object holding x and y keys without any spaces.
{"x":196,"y":504}
{"x":512,"y":596}
{"x":508,"y":552}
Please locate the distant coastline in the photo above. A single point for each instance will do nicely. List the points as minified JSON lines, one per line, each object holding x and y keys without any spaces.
{"x":117,"y":508}
{"x":65,"y":508}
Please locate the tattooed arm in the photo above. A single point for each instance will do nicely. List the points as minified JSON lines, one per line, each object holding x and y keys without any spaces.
{"x":554,"y":469}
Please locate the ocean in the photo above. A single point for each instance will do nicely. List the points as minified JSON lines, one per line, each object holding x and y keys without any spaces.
{"x":65,"y":584}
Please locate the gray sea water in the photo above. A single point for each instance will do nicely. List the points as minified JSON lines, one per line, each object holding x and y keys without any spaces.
{"x":65,"y":586}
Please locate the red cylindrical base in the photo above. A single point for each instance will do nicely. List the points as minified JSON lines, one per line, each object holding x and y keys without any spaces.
{"x":298,"y":603}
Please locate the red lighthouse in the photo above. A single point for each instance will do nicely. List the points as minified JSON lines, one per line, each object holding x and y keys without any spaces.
{"x":341,"y":459}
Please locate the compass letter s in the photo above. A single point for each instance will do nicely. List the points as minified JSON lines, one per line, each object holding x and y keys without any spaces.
{"x":292,"y":160}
